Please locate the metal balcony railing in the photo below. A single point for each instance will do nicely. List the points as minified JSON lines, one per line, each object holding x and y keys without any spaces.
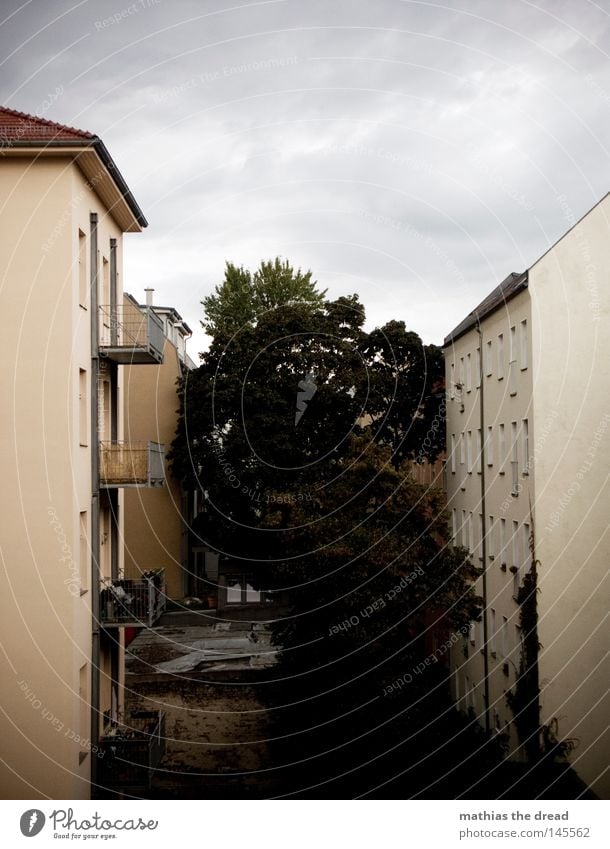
{"x":124,"y":464}
{"x":131,"y":335}
{"x":130,"y":753}
{"x":135,"y":603}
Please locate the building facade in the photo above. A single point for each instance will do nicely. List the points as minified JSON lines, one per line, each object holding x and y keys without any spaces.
{"x":528,"y":444}
{"x":64,"y":208}
{"x":157,"y":520}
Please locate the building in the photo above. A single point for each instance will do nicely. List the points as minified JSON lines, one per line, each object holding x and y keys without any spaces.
{"x":64,"y":208}
{"x":528,"y":382}
{"x":156,"y":520}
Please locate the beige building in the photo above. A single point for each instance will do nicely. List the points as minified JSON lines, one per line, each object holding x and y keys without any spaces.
{"x":156,"y":520}
{"x":528,"y":444}
{"x":64,"y":208}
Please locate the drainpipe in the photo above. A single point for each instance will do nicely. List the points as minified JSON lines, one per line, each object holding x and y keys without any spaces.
{"x":114,"y":412}
{"x":113,"y":494}
{"x":95,"y":499}
{"x":114,"y":317}
{"x":483,"y":529}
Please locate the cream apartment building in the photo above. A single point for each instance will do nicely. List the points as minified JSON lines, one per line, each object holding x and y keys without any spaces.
{"x":157,"y":520}
{"x":528,"y":443}
{"x":64,"y":208}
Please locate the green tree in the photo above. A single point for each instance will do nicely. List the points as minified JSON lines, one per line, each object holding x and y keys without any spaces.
{"x":242,"y":298}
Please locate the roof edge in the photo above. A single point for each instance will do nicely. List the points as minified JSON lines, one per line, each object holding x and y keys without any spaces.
{"x":508,"y":289}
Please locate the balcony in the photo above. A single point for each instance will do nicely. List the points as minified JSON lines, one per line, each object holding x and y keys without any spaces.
{"x":131,"y":335}
{"x":133,"y":602}
{"x":129,"y":754}
{"x":129,"y":464}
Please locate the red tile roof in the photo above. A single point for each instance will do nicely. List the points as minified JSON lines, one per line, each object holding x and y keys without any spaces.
{"x":21,"y":127}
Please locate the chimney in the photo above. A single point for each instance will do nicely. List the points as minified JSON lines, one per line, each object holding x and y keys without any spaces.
{"x":149,"y":297}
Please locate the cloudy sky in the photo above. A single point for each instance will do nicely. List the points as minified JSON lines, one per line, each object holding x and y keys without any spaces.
{"x":413,"y":152}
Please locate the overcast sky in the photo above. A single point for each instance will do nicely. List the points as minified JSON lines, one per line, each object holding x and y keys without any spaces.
{"x":413,"y":152}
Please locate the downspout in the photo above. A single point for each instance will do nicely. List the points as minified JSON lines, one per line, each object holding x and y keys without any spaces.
{"x":483,"y":530}
{"x":114,"y":412}
{"x":113,"y":493}
{"x":95,"y":499}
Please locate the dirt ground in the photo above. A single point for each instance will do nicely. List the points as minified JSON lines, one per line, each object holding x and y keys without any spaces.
{"x":210,"y":682}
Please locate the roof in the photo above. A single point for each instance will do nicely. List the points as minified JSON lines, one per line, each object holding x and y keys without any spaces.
{"x":20,"y":126}
{"x":508,"y":288}
{"x":21,"y":130}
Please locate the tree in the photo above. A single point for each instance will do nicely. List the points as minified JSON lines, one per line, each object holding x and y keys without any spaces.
{"x":288,"y":378}
{"x":242,"y":298}
{"x":406,"y":402}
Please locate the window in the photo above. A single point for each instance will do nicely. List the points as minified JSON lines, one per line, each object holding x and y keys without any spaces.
{"x":470,"y":545}
{"x":462,"y":449}
{"x":82,"y":269}
{"x":83,"y":553}
{"x":464,"y":530}
{"x":478,"y":450}
{"x":503,"y":542}
{"x":461,"y":373}
{"x":477,"y":367}
{"x":468,"y":373}
{"x":492,"y":631}
{"x":500,"y":356}
{"x":454,"y":525}
{"x":241,"y":591}
{"x":515,"y":559}
{"x":504,"y":637}
{"x":489,"y":447}
{"x":526,"y":446}
{"x":514,"y":459}
{"x":472,"y":634}
{"x":523,"y":344}
{"x":453,"y":450}
{"x":452,"y":383}
{"x":488,"y":359}
{"x":525,"y":531}
{"x":512,"y":362}
{"x":490,"y":538}
{"x":480,"y":541}
{"x":469,"y":451}
{"x":83,"y":696}
{"x":518,"y":638}
{"x":82,"y":407}
{"x":501,"y":448}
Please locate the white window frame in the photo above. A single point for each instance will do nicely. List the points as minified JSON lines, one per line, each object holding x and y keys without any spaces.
{"x":500,"y":356}
{"x":525,"y":443}
{"x":514,"y":458}
{"x":523,"y":344}
{"x":489,"y":356}
{"x":501,"y":448}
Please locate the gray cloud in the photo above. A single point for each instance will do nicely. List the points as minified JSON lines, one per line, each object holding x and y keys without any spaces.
{"x":412,"y":152}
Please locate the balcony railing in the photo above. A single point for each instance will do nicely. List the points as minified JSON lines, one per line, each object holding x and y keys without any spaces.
{"x":130,"y":753}
{"x":134,"y":603}
{"x":131,"y":335}
{"x":125,"y":464}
